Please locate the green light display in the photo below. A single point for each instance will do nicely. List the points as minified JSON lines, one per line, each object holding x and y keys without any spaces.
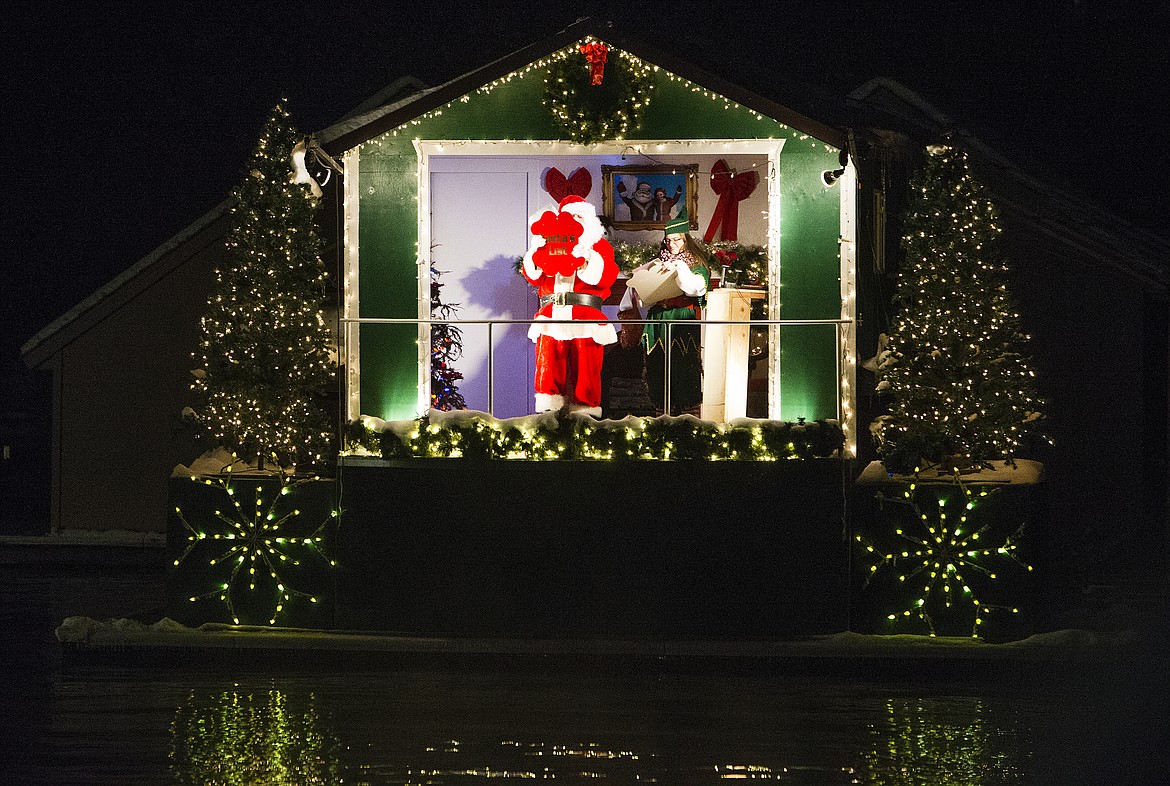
{"x":253,"y":542}
{"x":944,"y":561}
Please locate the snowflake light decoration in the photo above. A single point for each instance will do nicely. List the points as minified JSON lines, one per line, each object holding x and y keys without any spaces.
{"x":257,"y":541}
{"x":945,"y":562}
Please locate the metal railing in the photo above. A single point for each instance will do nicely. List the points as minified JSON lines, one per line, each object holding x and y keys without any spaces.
{"x":421,"y":322}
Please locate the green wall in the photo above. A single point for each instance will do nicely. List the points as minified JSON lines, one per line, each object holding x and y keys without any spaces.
{"x":388,"y":238}
{"x":810,"y":272}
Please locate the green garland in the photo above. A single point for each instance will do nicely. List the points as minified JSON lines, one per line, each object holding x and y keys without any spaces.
{"x":587,"y":113}
{"x":751,"y":262}
{"x":630,"y":256}
{"x":477,"y":435}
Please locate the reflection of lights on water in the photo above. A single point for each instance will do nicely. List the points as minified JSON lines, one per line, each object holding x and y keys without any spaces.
{"x":735,"y":772}
{"x":951,"y":736}
{"x":480,"y":773}
{"x":239,"y":738}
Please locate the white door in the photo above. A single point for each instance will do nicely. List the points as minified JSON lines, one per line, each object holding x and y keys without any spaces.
{"x":479,"y":226}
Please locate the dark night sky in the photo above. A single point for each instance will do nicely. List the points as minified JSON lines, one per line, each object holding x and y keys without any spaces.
{"x":125,"y":124}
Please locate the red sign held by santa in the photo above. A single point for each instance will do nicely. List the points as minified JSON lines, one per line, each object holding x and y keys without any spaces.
{"x":571,"y":264}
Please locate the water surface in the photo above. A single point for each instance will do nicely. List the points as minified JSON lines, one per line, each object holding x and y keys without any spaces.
{"x":511,"y":722}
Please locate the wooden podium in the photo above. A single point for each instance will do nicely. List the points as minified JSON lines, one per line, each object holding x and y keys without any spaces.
{"x":725,"y":353}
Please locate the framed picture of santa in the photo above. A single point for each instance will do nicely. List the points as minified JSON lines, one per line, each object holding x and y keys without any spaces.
{"x":646,"y":197}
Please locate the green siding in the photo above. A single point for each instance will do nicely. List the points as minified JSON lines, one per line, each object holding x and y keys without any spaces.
{"x":676,"y":111}
{"x":388,"y":283}
{"x":388,"y":236}
{"x":810,"y":273}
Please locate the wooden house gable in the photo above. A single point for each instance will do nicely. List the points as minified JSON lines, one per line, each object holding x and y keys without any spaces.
{"x":397,"y":170}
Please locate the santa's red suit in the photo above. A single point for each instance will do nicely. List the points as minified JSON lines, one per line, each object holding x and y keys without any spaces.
{"x":571,"y":265}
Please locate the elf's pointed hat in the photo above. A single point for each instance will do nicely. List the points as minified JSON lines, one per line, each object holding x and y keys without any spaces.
{"x":679,"y":225}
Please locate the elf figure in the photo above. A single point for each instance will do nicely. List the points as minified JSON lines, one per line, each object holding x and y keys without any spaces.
{"x":571,"y":265}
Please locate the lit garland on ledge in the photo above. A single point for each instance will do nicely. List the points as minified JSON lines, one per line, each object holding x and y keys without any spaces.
{"x":256,"y":540}
{"x":476,"y":435}
{"x":945,"y":563}
{"x":586,"y":112}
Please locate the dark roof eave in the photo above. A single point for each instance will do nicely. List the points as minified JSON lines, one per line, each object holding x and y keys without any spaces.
{"x":473,"y":80}
{"x":831,"y":135}
{"x":38,"y":352}
{"x":455,"y":88}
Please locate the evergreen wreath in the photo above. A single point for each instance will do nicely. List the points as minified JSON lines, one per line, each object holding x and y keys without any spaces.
{"x":586,"y":113}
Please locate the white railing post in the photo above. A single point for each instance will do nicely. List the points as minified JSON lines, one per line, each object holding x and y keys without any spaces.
{"x":842,"y":332}
{"x":666,"y":369}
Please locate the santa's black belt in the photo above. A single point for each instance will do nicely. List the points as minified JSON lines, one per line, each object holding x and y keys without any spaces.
{"x":570,"y":299}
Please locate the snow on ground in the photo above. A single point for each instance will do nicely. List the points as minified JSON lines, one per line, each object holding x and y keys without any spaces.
{"x":88,"y":537}
{"x":84,"y":631}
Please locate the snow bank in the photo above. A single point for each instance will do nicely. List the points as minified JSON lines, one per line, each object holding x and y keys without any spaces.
{"x":1072,"y":644}
{"x":83,"y":630}
{"x":102,"y":537}
{"x":213,"y":462}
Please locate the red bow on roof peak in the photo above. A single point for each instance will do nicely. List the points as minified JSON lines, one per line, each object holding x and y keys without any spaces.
{"x":596,"y":53}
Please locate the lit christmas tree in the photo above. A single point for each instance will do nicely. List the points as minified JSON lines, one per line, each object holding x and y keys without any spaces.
{"x":446,"y":347}
{"x":962,"y":388}
{"x":263,"y":363}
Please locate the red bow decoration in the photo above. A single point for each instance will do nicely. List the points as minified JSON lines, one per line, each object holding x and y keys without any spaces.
{"x":561,"y":231}
{"x":580,"y":183}
{"x":732,"y":189}
{"x":596,"y":54}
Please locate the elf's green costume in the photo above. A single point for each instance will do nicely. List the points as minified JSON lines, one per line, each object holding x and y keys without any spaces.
{"x":686,"y":370}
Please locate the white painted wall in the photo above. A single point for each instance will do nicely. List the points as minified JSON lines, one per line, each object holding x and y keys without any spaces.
{"x":475,"y":248}
{"x":479,"y":211}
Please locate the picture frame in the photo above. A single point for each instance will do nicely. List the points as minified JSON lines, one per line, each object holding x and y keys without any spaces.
{"x":672,"y":186}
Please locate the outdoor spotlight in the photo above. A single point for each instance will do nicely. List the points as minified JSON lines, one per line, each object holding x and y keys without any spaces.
{"x":830,"y":176}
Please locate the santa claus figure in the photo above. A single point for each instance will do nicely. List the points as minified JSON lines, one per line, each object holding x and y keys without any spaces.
{"x":571,"y":265}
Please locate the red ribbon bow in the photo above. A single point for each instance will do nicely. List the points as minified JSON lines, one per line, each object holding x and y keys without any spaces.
{"x":580,"y":183}
{"x":596,"y":54}
{"x":732,"y":189}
